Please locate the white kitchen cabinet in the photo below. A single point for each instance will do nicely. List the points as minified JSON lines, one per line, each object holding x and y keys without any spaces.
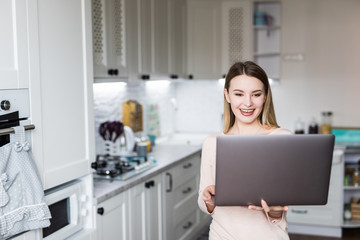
{"x":181,"y":213}
{"x":109,"y":40}
{"x":203,"y":39}
{"x":112,"y":218}
{"x":267,"y":37}
{"x":236,"y":44}
{"x":146,"y":210}
{"x":149,"y":28}
{"x":14,"y":57}
{"x":328,"y":216}
{"x":61,"y":89}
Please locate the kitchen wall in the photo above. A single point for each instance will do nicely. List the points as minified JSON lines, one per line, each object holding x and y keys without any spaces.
{"x":108,"y":99}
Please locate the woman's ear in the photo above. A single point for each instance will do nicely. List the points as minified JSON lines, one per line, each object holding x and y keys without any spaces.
{"x":226,"y":94}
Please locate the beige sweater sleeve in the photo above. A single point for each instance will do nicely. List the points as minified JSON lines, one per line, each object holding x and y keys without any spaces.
{"x":207,"y":169}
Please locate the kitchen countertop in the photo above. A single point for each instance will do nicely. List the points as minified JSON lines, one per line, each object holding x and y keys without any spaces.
{"x":167,"y":154}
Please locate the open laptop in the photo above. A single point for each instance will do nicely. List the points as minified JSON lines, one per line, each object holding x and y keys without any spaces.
{"x":281,"y":169}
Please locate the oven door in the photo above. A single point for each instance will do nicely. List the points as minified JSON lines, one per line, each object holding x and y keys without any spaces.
{"x":65,"y":207}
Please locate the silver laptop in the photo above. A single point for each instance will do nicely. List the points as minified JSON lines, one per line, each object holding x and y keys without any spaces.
{"x":281,"y":169}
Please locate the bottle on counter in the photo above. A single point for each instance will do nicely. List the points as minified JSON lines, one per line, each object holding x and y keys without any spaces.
{"x":355,"y":178}
{"x":299,"y":126}
{"x":313,"y":127}
{"x":326,"y":122}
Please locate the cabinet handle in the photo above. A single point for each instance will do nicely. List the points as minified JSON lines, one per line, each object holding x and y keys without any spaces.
{"x":170,"y":182}
{"x":188,"y":225}
{"x":188,"y":165}
{"x":299,"y":211}
{"x":174,"y":76}
{"x":185,"y":191}
{"x":191,"y":76}
{"x":145,"y":77}
{"x":150,"y":184}
{"x":101,"y":211}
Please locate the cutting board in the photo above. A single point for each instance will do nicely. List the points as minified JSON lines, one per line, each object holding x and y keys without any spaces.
{"x":133,"y":115}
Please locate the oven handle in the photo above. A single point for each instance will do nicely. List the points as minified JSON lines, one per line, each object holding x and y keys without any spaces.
{"x":170,"y":182}
{"x":6,"y":131}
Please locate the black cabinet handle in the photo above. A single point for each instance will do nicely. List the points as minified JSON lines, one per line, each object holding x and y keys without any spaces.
{"x":187,"y":190}
{"x":224,"y":76}
{"x":101,"y":211}
{"x":188,"y":225}
{"x":191,"y":76}
{"x":188,"y":165}
{"x":150,"y":184}
{"x":145,"y":77}
{"x":170,"y":182}
{"x":174,"y":76}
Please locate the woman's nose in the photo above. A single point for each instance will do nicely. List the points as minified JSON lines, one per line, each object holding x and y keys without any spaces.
{"x":248,"y":101}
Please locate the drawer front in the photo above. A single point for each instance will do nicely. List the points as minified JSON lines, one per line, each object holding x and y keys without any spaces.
{"x":185,"y":191}
{"x":185,"y":170}
{"x":183,"y":209}
{"x":184,"y":228}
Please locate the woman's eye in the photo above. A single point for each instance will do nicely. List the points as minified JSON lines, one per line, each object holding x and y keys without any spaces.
{"x":238,"y":94}
{"x":257,"y":94}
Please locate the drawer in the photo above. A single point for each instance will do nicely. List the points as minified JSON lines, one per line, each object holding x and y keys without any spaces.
{"x":183,"y":171}
{"x":328,"y":215}
{"x":183,"y":209}
{"x":185,"y":191}
{"x":186,"y":226}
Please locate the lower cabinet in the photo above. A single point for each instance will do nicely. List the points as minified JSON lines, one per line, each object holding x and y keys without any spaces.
{"x":112,"y":218}
{"x":163,"y":207}
{"x":146,"y":210}
{"x":183,"y":217}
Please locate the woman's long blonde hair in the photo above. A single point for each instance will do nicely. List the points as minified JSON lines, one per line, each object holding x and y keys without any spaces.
{"x":267,"y":116}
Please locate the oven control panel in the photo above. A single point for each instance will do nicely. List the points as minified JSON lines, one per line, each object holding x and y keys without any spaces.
{"x":12,"y":100}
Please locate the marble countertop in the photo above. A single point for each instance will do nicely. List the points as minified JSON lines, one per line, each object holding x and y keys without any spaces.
{"x":167,"y":154}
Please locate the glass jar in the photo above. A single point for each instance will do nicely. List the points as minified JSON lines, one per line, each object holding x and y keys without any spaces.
{"x":326,"y":122}
{"x":355,"y":178}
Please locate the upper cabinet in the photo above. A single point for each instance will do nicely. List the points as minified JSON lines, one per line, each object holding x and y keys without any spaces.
{"x":219,"y":33}
{"x":267,"y":36}
{"x":203,"y":39}
{"x":61,"y":89}
{"x":14,"y":57}
{"x":109,"y":40}
{"x":236,"y":44}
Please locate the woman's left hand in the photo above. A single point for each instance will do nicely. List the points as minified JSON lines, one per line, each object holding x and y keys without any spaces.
{"x":273,"y":211}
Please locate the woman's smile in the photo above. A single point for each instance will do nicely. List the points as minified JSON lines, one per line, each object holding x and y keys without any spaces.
{"x":247,"y":112}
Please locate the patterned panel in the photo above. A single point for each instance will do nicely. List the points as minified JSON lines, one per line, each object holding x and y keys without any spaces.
{"x":236,"y":41}
{"x":119,"y":30}
{"x":98,"y":32}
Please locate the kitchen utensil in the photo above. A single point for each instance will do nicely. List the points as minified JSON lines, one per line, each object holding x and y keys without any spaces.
{"x":133,"y":115}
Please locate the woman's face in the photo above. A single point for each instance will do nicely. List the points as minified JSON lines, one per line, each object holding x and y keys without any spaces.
{"x":247,"y":97}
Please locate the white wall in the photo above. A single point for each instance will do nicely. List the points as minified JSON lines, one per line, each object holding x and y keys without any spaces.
{"x":327,"y":33}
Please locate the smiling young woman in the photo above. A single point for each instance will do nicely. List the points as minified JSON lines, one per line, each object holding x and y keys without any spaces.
{"x":248,"y":109}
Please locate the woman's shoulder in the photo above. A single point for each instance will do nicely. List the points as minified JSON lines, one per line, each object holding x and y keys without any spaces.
{"x":211,"y":139}
{"x":281,"y":131}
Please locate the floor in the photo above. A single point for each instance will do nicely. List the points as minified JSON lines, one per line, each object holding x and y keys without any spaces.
{"x":348,"y":234}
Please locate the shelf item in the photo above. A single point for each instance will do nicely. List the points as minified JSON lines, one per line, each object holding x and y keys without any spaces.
{"x":267,"y":37}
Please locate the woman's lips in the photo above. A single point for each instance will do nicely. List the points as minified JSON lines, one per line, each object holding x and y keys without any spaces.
{"x":247,"y":112}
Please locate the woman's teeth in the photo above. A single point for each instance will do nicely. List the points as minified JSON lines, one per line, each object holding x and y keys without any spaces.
{"x":247,"y":111}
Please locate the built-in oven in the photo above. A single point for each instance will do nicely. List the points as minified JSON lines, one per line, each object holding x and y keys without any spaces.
{"x":14,"y":111}
{"x":67,"y":204}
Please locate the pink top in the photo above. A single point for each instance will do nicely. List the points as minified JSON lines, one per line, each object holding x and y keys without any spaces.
{"x":234,"y":223}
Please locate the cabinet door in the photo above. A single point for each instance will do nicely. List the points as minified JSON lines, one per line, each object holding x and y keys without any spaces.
{"x":112,"y":218}
{"x":14,"y":64}
{"x":61,"y":90}
{"x":145,"y":210}
{"x":203,"y":39}
{"x":109,"y":39}
{"x":236,"y":44}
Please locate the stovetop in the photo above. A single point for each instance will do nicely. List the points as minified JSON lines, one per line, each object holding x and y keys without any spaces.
{"x":121,"y":168}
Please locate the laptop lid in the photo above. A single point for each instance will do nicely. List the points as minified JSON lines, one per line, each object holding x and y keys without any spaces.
{"x":281,"y":169}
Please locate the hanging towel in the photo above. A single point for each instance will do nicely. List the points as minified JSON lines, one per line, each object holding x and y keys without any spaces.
{"x":22,"y":204}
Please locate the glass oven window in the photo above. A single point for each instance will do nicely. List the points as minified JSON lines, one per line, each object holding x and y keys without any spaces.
{"x":7,"y":121}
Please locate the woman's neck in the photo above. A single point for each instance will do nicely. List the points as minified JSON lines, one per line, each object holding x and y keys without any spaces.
{"x":242,"y":128}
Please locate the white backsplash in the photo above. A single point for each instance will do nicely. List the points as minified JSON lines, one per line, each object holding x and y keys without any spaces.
{"x":108,"y":99}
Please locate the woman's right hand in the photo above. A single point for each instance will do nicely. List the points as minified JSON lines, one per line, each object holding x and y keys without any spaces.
{"x":208,"y":192}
